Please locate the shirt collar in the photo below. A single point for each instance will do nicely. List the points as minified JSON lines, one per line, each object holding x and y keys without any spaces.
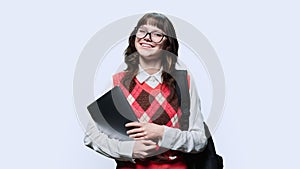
{"x":142,"y":75}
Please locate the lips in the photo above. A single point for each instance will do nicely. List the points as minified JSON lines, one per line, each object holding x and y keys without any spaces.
{"x":146,"y":45}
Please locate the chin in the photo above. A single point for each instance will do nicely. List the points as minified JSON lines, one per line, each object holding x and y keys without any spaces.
{"x":147,"y":56}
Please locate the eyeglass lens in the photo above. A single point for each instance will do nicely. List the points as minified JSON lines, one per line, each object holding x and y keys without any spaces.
{"x":155,"y":36}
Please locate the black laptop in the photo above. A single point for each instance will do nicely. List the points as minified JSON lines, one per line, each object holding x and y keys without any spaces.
{"x":111,"y":112}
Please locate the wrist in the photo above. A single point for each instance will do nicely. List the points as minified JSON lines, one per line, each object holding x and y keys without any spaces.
{"x":161,"y":132}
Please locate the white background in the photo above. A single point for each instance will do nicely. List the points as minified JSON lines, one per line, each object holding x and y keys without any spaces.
{"x":257,"y":43}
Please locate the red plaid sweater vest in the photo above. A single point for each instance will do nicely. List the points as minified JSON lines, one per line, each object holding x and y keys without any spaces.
{"x":150,"y":105}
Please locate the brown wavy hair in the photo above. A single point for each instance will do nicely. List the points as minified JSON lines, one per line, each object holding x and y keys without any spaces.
{"x":169,"y":53}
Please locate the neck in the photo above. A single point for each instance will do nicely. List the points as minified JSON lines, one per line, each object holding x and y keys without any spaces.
{"x":151,"y":66}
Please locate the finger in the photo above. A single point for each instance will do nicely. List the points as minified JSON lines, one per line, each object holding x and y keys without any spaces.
{"x":135,"y":130}
{"x":149,"y":142}
{"x":139,"y":139}
{"x":151,"y":148}
{"x":137,"y":135}
{"x":133,"y":124}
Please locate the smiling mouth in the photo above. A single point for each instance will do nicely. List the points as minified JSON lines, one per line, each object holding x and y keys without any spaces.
{"x":146,"y":45}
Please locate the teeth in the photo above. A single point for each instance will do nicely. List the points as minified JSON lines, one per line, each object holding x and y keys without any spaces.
{"x":146,"y":45}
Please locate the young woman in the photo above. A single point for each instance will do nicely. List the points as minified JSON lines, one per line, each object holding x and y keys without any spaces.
{"x":149,"y":87}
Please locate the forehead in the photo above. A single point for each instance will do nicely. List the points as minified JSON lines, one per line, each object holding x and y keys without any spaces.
{"x":150,"y":28}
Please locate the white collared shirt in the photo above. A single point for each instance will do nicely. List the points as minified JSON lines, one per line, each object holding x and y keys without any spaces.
{"x":151,"y":80}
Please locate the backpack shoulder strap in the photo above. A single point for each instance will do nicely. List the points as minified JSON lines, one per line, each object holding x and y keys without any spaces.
{"x":182,"y":90}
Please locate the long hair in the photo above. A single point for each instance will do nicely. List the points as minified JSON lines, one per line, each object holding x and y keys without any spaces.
{"x":169,"y":50}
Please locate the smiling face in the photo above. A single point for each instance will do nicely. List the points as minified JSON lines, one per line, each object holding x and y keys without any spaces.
{"x":145,"y":46}
{"x":142,"y":50}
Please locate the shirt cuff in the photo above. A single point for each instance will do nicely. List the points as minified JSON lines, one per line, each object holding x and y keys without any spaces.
{"x":125,"y":149}
{"x":167,"y":140}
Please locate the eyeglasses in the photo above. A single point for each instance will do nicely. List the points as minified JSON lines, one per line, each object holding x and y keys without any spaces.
{"x":155,"y":36}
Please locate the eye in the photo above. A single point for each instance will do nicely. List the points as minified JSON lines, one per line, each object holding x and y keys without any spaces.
{"x":157,"y":34}
{"x":141,"y":31}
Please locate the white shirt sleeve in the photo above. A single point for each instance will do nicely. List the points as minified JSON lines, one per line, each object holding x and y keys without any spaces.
{"x":192,"y":140}
{"x":101,"y":143}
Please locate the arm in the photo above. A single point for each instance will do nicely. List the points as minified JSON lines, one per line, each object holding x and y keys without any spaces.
{"x":192,"y":140}
{"x":100,"y":142}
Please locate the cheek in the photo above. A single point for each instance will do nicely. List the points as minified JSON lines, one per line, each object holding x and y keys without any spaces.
{"x":160,"y":46}
{"x":136,"y":43}
{"x":163,"y":45}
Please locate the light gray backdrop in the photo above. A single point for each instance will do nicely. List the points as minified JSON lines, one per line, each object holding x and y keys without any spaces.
{"x":257,"y":43}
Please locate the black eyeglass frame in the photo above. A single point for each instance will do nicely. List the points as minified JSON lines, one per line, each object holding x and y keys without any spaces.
{"x":163,"y":35}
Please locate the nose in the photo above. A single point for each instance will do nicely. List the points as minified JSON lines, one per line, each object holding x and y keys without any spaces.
{"x":148,"y":36}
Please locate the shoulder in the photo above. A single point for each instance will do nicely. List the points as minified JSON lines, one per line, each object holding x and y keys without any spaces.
{"x":185,"y":72}
{"x":117,"y":77}
{"x":180,"y":66}
{"x":119,"y":74}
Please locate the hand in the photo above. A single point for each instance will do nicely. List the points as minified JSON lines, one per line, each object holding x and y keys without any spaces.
{"x":145,"y":131}
{"x":143,"y":149}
